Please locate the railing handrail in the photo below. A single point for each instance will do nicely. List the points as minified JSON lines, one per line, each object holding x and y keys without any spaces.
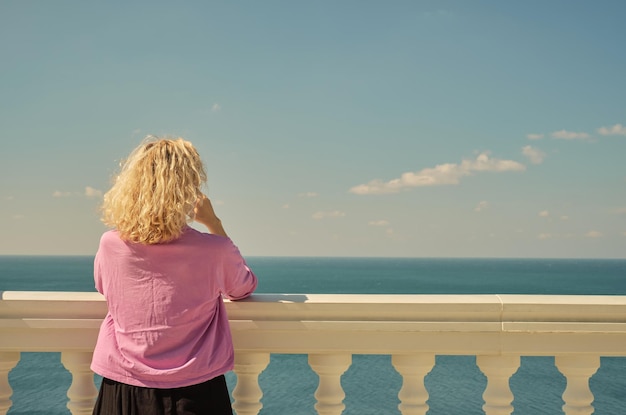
{"x":505,"y":307}
{"x":265,"y":322}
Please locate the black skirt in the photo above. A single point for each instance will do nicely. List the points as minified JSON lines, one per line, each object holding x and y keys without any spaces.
{"x":208,"y":398}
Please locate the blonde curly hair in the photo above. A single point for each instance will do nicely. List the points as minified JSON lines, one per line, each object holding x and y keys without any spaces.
{"x":154,"y":195}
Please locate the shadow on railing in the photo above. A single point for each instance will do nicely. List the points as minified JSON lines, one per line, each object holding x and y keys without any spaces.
{"x":330,"y":329}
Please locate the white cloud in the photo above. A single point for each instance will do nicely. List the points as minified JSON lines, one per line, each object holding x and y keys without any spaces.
{"x":9,"y":198}
{"x":328,"y":214}
{"x":594,"y":234}
{"x":482,"y":205}
{"x":58,"y":193}
{"x":544,"y":236}
{"x":308,"y":194}
{"x":18,"y":217}
{"x":564,"y":217}
{"x":624,"y":233}
{"x":381,"y":222}
{"x":617,"y":129}
{"x":534,"y":155}
{"x":544,"y":213}
{"x":91,"y":192}
{"x":534,"y":136}
{"x":620,"y":211}
{"x":216,"y":107}
{"x":570,"y":135}
{"x":442,"y":174}
{"x":286,"y":206}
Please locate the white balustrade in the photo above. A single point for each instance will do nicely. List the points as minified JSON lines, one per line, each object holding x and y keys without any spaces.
{"x":498,"y":370}
{"x":413,"y":394}
{"x":497,"y":329}
{"x":329,"y":393}
{"x":577,"y":370}
{"x":247,"y":393}
{"x":82,"y":392}
{"x":8,"y":360}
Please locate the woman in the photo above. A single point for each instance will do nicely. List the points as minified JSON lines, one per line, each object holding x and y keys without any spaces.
{"x":165,"y":344}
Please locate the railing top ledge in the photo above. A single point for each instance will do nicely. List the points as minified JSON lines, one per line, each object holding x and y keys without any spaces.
{"x":50,"y":296}
{"x":428,"y":307}
{"x":353,"y":298}
{"x":349,"y":307}
{"x":436,"y":299}
{"x":304,"y":323}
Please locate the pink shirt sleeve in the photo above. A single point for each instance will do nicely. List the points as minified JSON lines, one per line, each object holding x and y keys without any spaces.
{"x":241,"y":281}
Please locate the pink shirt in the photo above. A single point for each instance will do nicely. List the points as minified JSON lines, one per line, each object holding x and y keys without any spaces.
{"x":167,"y":326}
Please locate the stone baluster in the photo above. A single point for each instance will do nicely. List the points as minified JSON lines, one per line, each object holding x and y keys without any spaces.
{"x":247,"y":393}
{"x":577,"y":370}
{"x":82,"y":392}
{"x":8,"y":360}
{"x":413,"y":394}
{"x":498,"y":370}
{"x":329,"y":393}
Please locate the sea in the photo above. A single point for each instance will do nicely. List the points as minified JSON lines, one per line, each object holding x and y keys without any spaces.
{"x":455,"y":385}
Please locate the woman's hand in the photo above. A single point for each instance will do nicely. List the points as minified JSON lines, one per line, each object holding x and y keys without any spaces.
{"x":205,"y":215}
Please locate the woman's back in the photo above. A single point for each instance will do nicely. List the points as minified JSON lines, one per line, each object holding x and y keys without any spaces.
{"x":168,"y":327}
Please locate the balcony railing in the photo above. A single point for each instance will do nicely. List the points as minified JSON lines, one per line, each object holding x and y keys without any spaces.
{"x":412,"y":329}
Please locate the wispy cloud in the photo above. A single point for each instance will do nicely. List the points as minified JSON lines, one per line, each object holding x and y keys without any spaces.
{"x":482,"y":205}
{"x":617,"y":129}
{"x":328,"y":214}
{"x":216,"y":107}
{"x":442,"y":174}
{"x":534,"y":155}
{"x":534,"y":136}
{"x":544,"y":236}
{"x":570,"y":135}
{"x":544,"y":214}
{"x":18,"y":217}
{"x":91,"y":192}
{"x":381,"y":222}
{"x":308,"y":194}
{"x":594,"y":234}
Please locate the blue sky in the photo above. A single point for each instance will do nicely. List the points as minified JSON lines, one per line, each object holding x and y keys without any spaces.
{"x":343,"y":128}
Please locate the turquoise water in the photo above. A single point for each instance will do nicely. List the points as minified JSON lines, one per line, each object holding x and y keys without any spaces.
{"x":371,"y":384}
